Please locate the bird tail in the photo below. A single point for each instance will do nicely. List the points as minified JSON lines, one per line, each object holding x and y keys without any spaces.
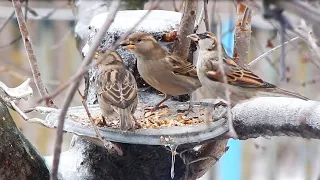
{"x":285,"y":93}
{"x":125,"y":119}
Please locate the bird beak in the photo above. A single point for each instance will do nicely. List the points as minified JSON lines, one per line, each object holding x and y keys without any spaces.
{"x":96,"y":55}
{"x":194,"y":37}
{"x":129,"y":45}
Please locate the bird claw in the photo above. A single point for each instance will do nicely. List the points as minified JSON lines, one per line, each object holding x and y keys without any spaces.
{"x":221,"y":103}
{"x":222,"y":115}
{"x":156,"y":108}
{"x":185,"y":111}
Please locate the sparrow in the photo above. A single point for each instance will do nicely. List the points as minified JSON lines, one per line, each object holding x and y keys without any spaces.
{"x":243,"y":84}
{"x":116,"y":88}
{"x":165,"y":72}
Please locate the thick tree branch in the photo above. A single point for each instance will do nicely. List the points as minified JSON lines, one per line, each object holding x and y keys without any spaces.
{"x":18,"y":158}
{"x":182,"y":43}
{"x":275,"y":116}
{"x":242,"y":35}
{"x":29,"y":49}
{"x":206,"y":157}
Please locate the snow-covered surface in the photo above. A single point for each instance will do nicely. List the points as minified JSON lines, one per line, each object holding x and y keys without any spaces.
{"x":157,"y":22}
{"x":278,"y":111}
{"x":22,"y":91}
{"x":84,"y":10}
{"x":72,"y":167}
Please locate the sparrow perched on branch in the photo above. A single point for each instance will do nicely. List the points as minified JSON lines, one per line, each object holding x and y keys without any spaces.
{"x":243,"y":84}
{"x":165,"y":72}
{"x":116,"y":89}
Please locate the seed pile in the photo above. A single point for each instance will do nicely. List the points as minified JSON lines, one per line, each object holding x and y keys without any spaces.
{"x":146,"y":119}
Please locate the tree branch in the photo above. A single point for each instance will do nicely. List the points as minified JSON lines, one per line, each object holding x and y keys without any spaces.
{"x":300,"y":8}
{"x":276,"y":116}
{"x":271,"y":51}
{"x":242,"y":35}
{"x":182,"y":43}
{"x":206,"y":17}
{"x":29,"y":49}
{"x":18,"y":158}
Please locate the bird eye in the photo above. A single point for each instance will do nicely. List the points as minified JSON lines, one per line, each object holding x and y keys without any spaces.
{"x":139,"y":40}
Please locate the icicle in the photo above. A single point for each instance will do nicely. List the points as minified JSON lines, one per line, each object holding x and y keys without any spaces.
{"x":173,"y":149}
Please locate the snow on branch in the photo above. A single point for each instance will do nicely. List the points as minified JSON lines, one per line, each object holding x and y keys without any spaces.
{"x":277,"y":116}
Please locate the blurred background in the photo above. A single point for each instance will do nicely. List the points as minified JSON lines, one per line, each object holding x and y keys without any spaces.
{"x":51,"y":25}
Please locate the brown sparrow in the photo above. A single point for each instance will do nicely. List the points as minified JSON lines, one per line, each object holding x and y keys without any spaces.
{"x":243,"y":84}
{"x":116,"y":89}
{"x":165,"y":72}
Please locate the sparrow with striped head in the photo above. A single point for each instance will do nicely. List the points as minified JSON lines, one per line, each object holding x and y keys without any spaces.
{"x":243,"y":84}
{"x":165,"y":72}
{"x":116,"y":89}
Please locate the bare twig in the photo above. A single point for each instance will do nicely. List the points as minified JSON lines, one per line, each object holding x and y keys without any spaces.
{"x":62,"y":40}
{"x":182,"y":43}
{"x":242,"y":35}
{"x":107,"y":144}
{"x":29,"y":49}
{"x":175,"y":6}
{"x":206,"y":17}
{"x":196,"y":27}
{"x":300,"y":8}
{"x":282,"y":63}
{"x":261,"y":49}
{"x":232,"y":133}
{"x":76,"y":77}
{"x":34,"y":13}
{"x":6,"y":21}
{"x":312,"y":81}
{"x":19,"y":111}
{"x":74,"y":86}
{"x":11,"y":42}
{"x":305,"y":33}
{"x":271,"y":51}
{"x":26,"y":10}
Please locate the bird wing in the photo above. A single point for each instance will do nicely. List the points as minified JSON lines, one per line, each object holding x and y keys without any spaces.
{"x":182,"y":67}
{"x":236,"y":75}
{"x":117,"y":87}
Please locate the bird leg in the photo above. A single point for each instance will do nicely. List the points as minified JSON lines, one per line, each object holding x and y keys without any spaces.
{"x":104,"y":122}
{"x":158,"y":105}
{"x":190,"y":108}
{"x":221,"y":115}
{"x":135,"y":121}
